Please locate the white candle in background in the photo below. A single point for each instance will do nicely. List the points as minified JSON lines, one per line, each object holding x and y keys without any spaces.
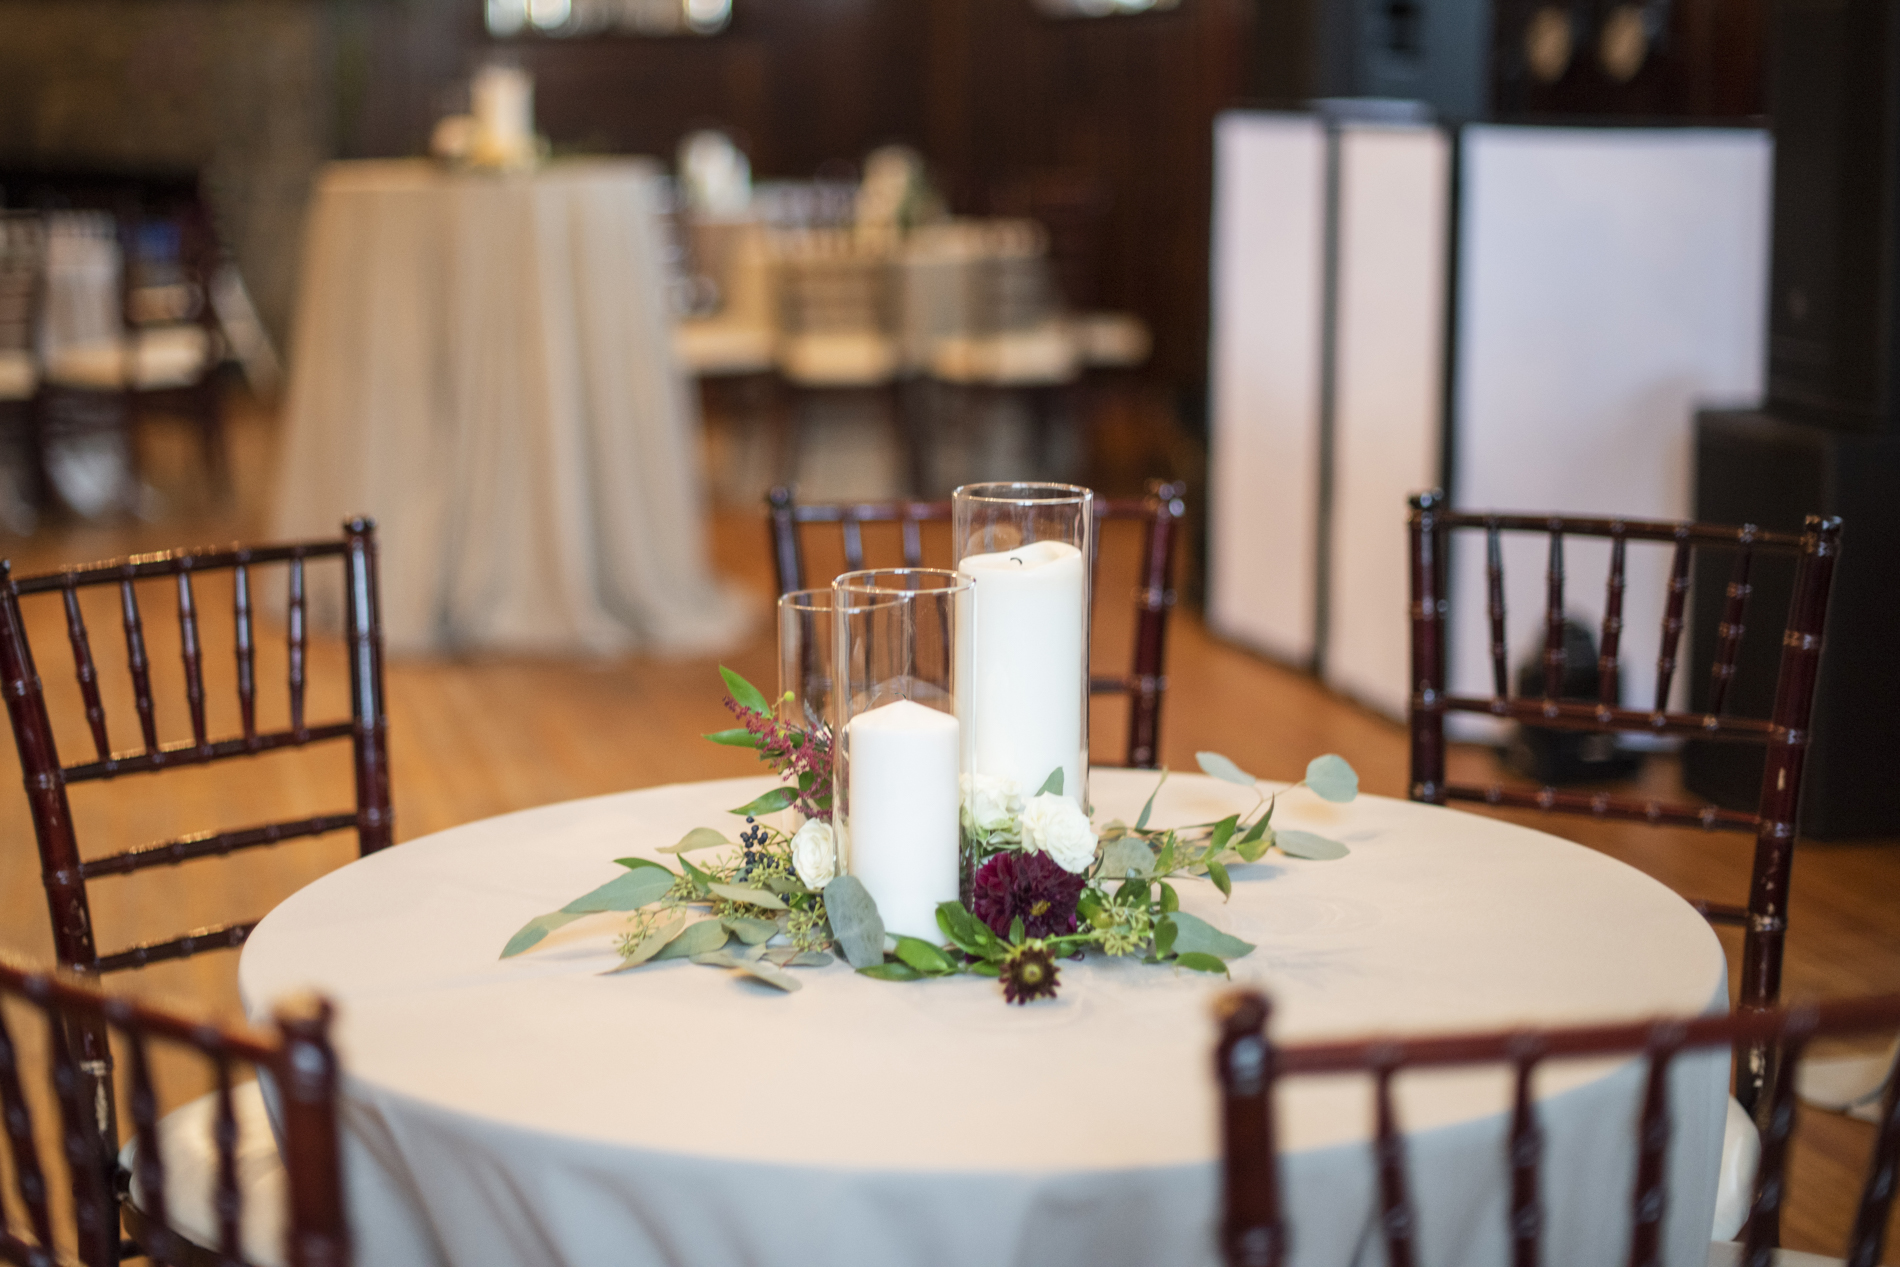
{"x":503,"y":104}
{"x":902,"y":818}
{"x":1025,"y":665}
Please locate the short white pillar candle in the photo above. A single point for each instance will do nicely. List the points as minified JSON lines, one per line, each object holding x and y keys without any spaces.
{"x":1024,"y":692}
{"x":901,"y":823}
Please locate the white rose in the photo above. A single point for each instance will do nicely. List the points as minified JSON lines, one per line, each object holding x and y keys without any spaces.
{"x":815,"y":854}
{"x":991,"y":801}
{"x":1056,"y":825}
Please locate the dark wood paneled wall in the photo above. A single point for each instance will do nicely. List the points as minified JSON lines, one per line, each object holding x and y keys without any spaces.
{"x":988,"y":90}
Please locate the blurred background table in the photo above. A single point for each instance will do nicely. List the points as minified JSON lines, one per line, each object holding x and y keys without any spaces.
{"x":483,"y":363}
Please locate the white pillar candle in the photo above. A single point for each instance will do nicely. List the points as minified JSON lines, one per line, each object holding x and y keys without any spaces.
{"x":902,"y":813}
{"x":503,"y":102}
{"x":1024,"y":661}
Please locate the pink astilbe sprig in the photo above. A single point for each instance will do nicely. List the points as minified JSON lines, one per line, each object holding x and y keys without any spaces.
{"x":801,"y":756}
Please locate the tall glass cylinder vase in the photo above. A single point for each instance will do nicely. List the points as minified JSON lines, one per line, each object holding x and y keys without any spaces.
{"x":806,"y":648}
{"x":1024,"y":693}
{"x":897,"y":760}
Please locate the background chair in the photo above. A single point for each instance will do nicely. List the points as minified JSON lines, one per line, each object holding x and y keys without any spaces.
{"x":22,"y":291}
{"x":174,"y":1209}
{"x":165,"y":346}
{"x":1160,"y":511}
{"x":66,"y":873}
{"x":1764,"y":919}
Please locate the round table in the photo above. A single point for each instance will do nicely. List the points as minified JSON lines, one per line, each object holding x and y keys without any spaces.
{"x":535,"y":1111}
{"x":483,"y":363}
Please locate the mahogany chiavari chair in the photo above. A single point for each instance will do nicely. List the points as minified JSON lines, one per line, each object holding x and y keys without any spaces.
{"x":65,"y":872}
{"x":1785,"y":734}
{"x":42,"y":1227}
{"x":1255,"y":1229}
{"x":1161,"y":510}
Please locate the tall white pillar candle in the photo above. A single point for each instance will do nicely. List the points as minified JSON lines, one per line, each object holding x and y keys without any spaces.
{"x":503,"y":104}
{"x":901,"y":825}
{"x":1023,"y":690}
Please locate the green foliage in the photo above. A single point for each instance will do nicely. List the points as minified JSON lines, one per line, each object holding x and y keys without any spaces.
{"x":698,"y":838}
{"x":1148,"y":807}
{"x":855,"y":923}
{"x":1053,"y":784}
{"x":1304,"y":844}
{"x":771,"y":803}
{"x":743,"y":693}
{"x":1331,"y":779}
{"x":737,"y":737}
{"x":1221,"y":768}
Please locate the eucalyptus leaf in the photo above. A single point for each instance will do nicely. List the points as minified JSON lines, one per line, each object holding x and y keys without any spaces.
{"x":923,"y":956}
{"x":784,"y":886}
{"x":855,"y":923}
{"x":771,"y":803}
{"x":738,"y":737}
{"x":1202,"y":962}
{"x":753,"y":932}
{"x":1304,"y":844}
{"x":1148,"y":808}
{"x":793,"y":957}
{"x":655,"y":940}
{"x":1218,"y":874}
{"x":1197,"y":936}
{"x":1332,"y":779}
{"x":1221,"y":768}
{"x":771,"y":974}
{"x":1126,"y":855}
{"x":631,"y":863}
{"x":696,"y":939}
{"x":698,"y":838}
{"x":751,"y":895}
{"x":1052,"y":784}
{"x":628,"y":891}
{"x":716,"y":959}
{"x":534,"y":930}
{"x":894,"y":971}
{"x":743,"y":693}
{"x":1170,"y":900}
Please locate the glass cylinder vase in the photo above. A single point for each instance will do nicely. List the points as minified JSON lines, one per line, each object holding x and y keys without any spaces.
{"x":1024,"y":694}
{"x":897,"y":757}
{"x":806,"y":647}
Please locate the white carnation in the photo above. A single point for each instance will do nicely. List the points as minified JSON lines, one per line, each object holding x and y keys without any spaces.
{"x":815,"y":854}
{"x":1056,"y":825}
{"x":991,"y":801}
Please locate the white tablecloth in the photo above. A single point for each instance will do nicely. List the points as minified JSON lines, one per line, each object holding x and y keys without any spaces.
{"x":535,"y":1112}
{"x":483,"y":363}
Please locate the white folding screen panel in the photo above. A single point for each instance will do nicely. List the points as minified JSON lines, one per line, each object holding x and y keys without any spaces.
{"x":1612,"y":281}
{"x":1266,"y":277}
{"x":1389,"y":349}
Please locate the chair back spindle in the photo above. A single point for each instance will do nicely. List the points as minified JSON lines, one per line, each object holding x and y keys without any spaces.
{"x":1255,"y":1227}
{"x":1785,"y":734}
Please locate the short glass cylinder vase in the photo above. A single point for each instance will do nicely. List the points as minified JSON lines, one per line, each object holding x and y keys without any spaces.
{"x":897,"y":756}
{"x":1024,"y":693}
{"x":806,"y":647}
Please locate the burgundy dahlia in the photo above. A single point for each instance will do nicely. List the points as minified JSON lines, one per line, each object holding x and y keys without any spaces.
{"x":1030,"y":885}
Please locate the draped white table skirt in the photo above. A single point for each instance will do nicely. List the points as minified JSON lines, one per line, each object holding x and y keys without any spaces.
{"x":536,"y":1112}
{"x":483,"y":363}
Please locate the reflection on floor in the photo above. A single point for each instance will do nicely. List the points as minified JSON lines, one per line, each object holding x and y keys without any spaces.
{"x":474,"y":736}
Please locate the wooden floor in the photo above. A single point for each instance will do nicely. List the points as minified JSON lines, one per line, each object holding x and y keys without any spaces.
{"x":472,"y":737}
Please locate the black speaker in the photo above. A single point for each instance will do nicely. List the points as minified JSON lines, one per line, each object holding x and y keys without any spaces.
{"x":1834,"y":312}
{"x":1759,"y":468}
{"x":1626,"y":60}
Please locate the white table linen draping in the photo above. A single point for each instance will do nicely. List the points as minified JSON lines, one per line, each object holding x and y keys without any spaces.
{"x":534,"y":1111}
{"x":483,"y":363}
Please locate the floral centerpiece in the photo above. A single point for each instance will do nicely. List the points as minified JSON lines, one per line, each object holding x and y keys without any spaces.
{"x":1042,"y":885}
